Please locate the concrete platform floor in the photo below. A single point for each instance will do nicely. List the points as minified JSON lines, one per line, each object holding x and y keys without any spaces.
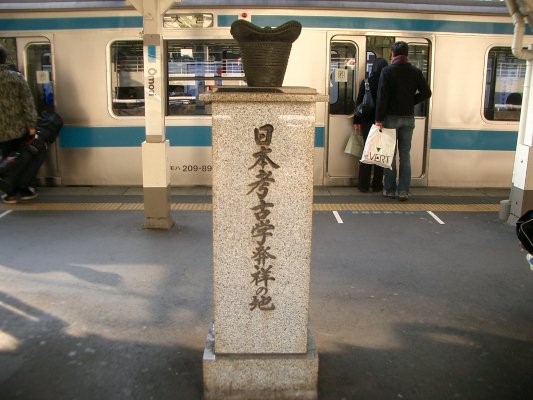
{"x":405,"y":304}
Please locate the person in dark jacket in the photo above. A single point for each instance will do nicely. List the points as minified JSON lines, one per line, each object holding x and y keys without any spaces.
{"x":401,"y":87}
{"x":362,"y":125}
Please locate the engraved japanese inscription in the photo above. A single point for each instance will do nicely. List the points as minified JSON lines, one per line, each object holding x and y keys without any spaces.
{"x":263,"y":228}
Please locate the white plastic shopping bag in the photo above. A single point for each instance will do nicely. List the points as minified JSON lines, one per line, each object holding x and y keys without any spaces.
{"x":354,"y":145}
{"x":379,"y":147}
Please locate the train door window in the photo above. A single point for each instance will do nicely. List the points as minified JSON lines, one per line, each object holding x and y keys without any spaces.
{"x":38,"y":71}
{"x":377,"y":47}
{"x":127,"y":80}
{"x":419,"y":57}
{"x":342,"y":78}
{"x":195,"y":67}
{"x":503,"y":85}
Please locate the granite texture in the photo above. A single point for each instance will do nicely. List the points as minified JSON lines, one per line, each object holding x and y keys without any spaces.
{"x":263,"y":95}
{"x":240,"y":329}
{"x":260,"y":377}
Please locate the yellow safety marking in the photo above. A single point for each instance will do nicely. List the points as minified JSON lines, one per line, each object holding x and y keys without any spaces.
{"x":63,"y":206}
{"x":406,"y":207}
{"x":209,"y":207}
{"x":191,"y":207}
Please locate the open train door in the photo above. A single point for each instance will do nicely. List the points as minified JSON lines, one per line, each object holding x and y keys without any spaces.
{"x":350,"y":61}
{"x":34,"y":57}
{"x":346,"y":70}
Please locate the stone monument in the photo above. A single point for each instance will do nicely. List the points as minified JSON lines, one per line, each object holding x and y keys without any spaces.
{"x":260,"y":345}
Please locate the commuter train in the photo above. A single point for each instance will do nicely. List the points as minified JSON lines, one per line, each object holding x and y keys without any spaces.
{"x":85,"y":59}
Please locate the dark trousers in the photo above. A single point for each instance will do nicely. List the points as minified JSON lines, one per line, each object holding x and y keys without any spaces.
{"x":26,"y":166}
{"x":369,"y":172}
{"x":6,"y":148}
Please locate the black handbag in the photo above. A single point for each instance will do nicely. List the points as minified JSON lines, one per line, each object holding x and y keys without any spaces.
{"x":365,"y":109}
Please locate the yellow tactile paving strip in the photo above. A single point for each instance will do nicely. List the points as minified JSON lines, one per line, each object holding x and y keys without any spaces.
{"x":208,"y":207}
{"x":406,"y":207}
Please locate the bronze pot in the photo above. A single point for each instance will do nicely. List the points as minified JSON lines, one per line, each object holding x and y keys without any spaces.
{"x":265,"y":51}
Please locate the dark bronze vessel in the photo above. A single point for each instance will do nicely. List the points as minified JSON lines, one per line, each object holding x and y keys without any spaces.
{"x":265,"y":51}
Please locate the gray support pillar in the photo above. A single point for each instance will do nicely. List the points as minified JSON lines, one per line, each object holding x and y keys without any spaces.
{"x":521,"y":197}
{"x":155,"y":164}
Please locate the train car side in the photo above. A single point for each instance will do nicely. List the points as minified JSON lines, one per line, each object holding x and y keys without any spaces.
{"x":467,"y":149}
{"x":459,"y":143}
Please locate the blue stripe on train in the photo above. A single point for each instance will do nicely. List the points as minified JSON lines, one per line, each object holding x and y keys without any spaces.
{"x":15,"y":24}
{"x":418,"y":25}
{"x":453,"y":139}
{"x":33,"y":24}
{"x":133,"y":136}
{"x":441,"y":139}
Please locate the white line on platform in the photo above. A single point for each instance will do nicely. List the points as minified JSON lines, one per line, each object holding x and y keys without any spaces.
{"x":436,"y":218}
{"x":5,"y":213}
{"x":338,"y":217}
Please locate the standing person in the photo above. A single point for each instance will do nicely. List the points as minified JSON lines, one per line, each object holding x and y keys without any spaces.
{"x":362,"y":125}
{"x":401,"y":86}
{"x":18,"y":119}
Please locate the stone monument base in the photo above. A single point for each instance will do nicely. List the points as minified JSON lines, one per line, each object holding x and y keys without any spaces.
{"x":260,"y":376}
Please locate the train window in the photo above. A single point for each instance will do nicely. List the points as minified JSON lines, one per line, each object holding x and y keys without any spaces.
{"x":194,"y":67}
{"x":503,"y":85}
{"x":342,"y":78}
{"x":419,"y":57}
{"x":127,"y":79}
{"x":39,"y":75}
{"x":377,"y":46}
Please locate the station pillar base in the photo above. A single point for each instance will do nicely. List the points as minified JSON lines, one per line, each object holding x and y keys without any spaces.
{"x":156,"y":185}
{"x":521,"y":201}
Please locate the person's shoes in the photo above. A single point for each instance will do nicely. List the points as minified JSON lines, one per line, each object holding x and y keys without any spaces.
{"x":363,"y":190}
{"x":390,"y":195}
{"x":403,"y":196}
{"x":377,"y":189}
{"x":28,"y":194}
{"x":9,"y":199}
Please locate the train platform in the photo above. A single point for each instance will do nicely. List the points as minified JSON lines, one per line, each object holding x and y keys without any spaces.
{"x":426,"y":299}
